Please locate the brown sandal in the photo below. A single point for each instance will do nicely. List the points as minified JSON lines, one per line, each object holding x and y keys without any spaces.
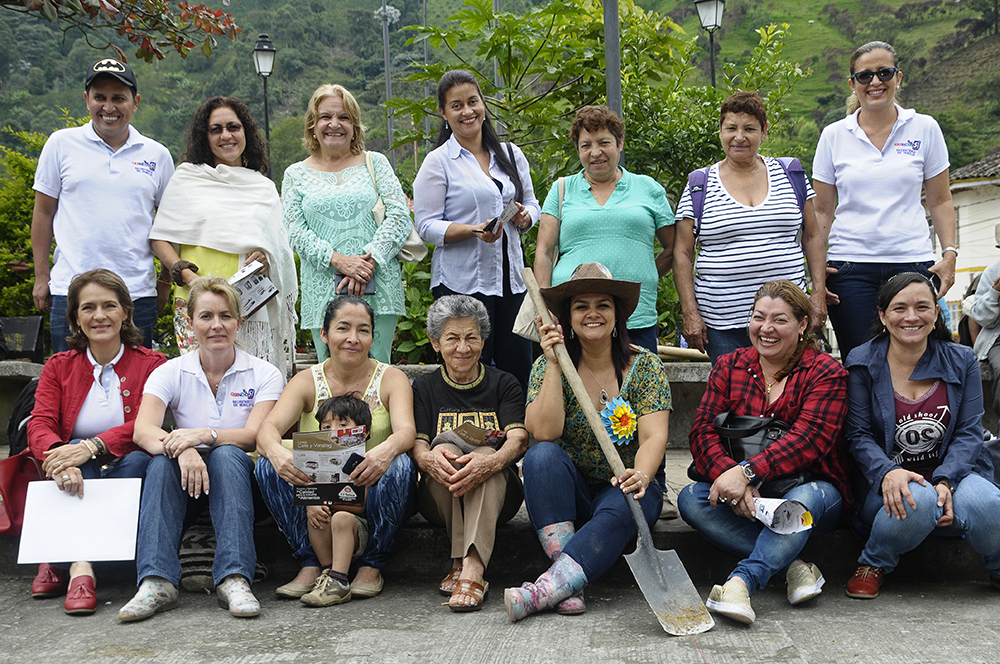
{"x":450,"y":582}
{"x":471,"y":589}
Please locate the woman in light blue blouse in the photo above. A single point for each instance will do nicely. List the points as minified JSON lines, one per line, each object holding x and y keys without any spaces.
{"x":327,"y":201}
{"x":463,"y":185}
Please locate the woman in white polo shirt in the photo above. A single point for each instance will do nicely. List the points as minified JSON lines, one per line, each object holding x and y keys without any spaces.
{"x":868,"y":172}
{"x":219,"y":395}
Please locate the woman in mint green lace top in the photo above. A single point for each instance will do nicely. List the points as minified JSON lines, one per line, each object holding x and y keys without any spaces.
{"x":327,"y":201}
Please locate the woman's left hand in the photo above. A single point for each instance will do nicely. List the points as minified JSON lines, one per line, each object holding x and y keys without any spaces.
{"x":632,"y":480}
{"x":945,"y":501}
{"x":475,"y":469}
{"x":731,"y":488}
{"x":70,"y":480}
{"x":63,"y":457}
{"x":521,"y":220}
{"x":258,"y":255}
{"x":376,"y":462}
{"x":194,"y":473}
{"x":179,"y":440}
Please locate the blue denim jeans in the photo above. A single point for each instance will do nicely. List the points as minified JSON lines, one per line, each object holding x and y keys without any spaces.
{"x":556,"y":491}
{"x":857,"y":286}
{"x":164,"y":504}
{"x":764,"y":552}
{"x":390,"y":503}
{"x":723,"y":342}
{"x":645,"y":337}
{"x":976,"y":503}
{"x":144,"y":318}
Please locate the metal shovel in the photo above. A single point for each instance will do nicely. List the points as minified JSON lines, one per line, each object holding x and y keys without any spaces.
{"x":660,"y":574}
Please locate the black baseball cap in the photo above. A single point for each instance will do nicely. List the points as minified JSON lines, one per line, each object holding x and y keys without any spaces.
{"x":114,"y":68}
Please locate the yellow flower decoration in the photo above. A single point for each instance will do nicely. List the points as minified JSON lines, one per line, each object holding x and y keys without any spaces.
{"x":619,"y":420}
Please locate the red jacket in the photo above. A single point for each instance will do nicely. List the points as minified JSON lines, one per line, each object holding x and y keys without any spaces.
{"x":63,"y":387}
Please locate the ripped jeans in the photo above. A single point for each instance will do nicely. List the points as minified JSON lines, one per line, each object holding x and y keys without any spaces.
{"x":765,"y":553}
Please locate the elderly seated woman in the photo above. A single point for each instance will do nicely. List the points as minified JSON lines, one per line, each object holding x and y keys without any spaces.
{"x":469,"y":489}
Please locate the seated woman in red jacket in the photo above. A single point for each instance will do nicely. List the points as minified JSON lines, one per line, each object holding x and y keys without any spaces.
{"x":85,"y":407}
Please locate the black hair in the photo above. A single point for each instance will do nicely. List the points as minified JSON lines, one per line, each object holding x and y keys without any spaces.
{"x":621,"y":348}
{"x":490,"y":139}
{"x":199,"y":151}
{"x":348,"y":406}
{"x":336,"y":303}
{"x":892,"y":288}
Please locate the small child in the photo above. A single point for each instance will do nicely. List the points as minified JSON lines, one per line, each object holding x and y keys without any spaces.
{"x":348,"y":534}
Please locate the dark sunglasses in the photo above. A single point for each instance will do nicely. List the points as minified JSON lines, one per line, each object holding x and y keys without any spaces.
{"x":884,"y":74}
{"x":232,"y":128}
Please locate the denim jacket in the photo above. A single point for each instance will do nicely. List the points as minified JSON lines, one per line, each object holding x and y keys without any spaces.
{"x":871,"y":417}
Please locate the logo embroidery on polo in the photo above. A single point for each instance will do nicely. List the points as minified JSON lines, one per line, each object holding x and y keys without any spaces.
{"x":109,"y":65}
{"x":145,"y":167}
{"x":909,"y":148}
{"x":243,"y":398}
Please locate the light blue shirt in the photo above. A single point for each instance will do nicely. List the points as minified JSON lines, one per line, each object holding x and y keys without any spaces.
{"x":451,"y":188}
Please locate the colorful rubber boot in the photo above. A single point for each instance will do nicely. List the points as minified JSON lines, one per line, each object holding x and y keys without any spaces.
{"x":554,"y":539}
{"x":561,"y":580}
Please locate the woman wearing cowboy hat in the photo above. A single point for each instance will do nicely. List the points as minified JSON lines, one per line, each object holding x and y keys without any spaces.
{"x":576,"y":504}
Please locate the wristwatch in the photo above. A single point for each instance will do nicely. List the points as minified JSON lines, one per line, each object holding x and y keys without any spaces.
{"x":748,"y":472}
{"x":215,"y":437}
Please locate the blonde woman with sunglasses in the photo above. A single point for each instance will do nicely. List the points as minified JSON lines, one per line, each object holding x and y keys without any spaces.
{"x":868,"y":173}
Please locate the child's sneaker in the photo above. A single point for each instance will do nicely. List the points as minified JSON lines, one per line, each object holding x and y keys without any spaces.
{"x":327,"y":591}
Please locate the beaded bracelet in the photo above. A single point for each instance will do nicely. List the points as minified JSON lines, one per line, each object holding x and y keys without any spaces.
{"x":93,"y":449}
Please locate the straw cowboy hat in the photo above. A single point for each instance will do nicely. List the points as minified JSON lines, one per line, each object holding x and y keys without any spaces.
{"x":593,"y":278}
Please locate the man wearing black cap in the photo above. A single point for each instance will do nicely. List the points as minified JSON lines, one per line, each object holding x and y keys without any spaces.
{"x":96,"y":187}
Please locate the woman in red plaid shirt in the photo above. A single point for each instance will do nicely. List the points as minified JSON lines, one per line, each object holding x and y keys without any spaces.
{"x":785,"y":376}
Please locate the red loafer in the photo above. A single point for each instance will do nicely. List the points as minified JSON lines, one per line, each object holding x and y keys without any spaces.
{"x":49,"y":582}
{"x":81,"y":598}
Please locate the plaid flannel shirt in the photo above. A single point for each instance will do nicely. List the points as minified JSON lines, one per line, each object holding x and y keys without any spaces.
{"x":814,"y":403}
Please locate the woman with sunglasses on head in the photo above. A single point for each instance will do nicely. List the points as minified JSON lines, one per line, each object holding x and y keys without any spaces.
{"x":868,"y":173}
{"x":915,"y":429}
{"x":220,"y":213}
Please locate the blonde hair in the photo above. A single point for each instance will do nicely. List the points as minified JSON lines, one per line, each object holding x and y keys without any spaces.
{"x":853,"y":103}
{"x":216,"y":285}
{"x":309,"y":140}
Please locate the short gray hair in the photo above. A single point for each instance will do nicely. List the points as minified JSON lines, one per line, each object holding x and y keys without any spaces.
{"x":456,"y":306}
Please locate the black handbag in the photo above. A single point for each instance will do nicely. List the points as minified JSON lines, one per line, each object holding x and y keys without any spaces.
{"x":744,"y":436}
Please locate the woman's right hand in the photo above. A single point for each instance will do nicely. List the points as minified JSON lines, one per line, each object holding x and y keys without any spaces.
{"x":281,"y":459}
{"x":695,"y":331}
{"x":896,"y":491}
{"x":550,"y":335}
{"x":194,"y":473}
{"x":486,"y":236}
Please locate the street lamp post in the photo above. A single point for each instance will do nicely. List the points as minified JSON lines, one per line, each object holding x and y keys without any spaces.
{"x":388,"y":78}
{"x":710,"y":13}
{"x":263,"y":62}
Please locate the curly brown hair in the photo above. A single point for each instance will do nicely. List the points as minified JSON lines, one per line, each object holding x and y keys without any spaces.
{"x":199,"y":151}
{"x":595,"y":118}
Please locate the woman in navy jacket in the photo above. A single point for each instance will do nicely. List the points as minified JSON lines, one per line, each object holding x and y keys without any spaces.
{"x":915,"y":429}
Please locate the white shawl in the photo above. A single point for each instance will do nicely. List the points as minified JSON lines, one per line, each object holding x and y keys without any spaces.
{"x":236,"y":211}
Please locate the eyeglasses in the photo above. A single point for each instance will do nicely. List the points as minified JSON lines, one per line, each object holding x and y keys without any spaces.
{"x":232,"y":128}
{"x":884,"y":74}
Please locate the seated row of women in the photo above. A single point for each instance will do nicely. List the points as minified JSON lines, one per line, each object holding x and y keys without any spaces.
{"x":912,"y":401}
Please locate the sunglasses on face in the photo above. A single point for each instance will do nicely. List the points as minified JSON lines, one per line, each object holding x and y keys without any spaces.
{"x":884,"y":74}
{"x":232,"y":128}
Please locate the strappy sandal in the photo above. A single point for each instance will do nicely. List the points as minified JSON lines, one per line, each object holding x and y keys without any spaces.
{"x":477,"y":591}
{"x":450,"y":582}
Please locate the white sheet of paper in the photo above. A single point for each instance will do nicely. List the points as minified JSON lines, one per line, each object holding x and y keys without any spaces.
{"x":60,"y":528}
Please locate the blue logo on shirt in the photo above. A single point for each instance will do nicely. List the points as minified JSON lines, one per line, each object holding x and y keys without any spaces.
{"x":147,"y":167}
{"x":909,"y":148}
{"x":243,"y":398}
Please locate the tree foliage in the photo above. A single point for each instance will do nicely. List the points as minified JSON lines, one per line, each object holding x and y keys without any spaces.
{"x":151,"y":25}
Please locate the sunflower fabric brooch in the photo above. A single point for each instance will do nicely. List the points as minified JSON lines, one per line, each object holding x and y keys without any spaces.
{"x":619,"y":420}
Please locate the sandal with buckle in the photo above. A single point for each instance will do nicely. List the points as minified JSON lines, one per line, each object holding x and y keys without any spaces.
{"x":477,"y":591}
{"x":450,"y":582}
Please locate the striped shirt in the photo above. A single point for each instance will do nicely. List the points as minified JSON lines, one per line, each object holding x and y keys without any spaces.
{"x":743,"y":247}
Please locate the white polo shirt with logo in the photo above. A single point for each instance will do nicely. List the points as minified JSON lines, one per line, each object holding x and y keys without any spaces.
{"x":182,"y":385}
{"x":879,"y":217}
{"x":106,"y":202}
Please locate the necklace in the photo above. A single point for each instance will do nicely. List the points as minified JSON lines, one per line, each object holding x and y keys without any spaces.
{"x":604,"y":394}
{"x":768,"y":386}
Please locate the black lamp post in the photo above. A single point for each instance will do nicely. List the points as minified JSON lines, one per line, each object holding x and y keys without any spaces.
{"x":710,"y":13}
{"x":263,"y":62}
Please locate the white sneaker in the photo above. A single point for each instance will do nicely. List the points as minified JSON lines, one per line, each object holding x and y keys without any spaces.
{"x":234,"y":594}
{"x":804,"y":581}
{"x":733,"y":601}
{"x":155,"y":596}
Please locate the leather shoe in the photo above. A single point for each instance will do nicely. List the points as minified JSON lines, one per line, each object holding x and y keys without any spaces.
{"x":865,"y":582}
{"x":49,"y":582}
{"x":81,"y":598}
{"x":367,"y":590}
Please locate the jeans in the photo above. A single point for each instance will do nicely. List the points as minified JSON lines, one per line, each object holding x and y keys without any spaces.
{"x":645,"y":337}
{"x":164,"y":504}
{"x":390,"y":503}
{"x":144,"y":317}
{"x":857,"y":285}
{"x":555,"y":491}
{"x":502,"y":348}
{"x":976,"y":504}
{"x":764,"y":552}
{"x":993,"y":357}
{"x":722,"y":342}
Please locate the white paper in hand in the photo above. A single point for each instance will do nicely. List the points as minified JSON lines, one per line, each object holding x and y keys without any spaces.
{"x":60,"y":528}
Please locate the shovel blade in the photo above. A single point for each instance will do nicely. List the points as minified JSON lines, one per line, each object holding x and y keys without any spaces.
{"x":669,"y":590}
